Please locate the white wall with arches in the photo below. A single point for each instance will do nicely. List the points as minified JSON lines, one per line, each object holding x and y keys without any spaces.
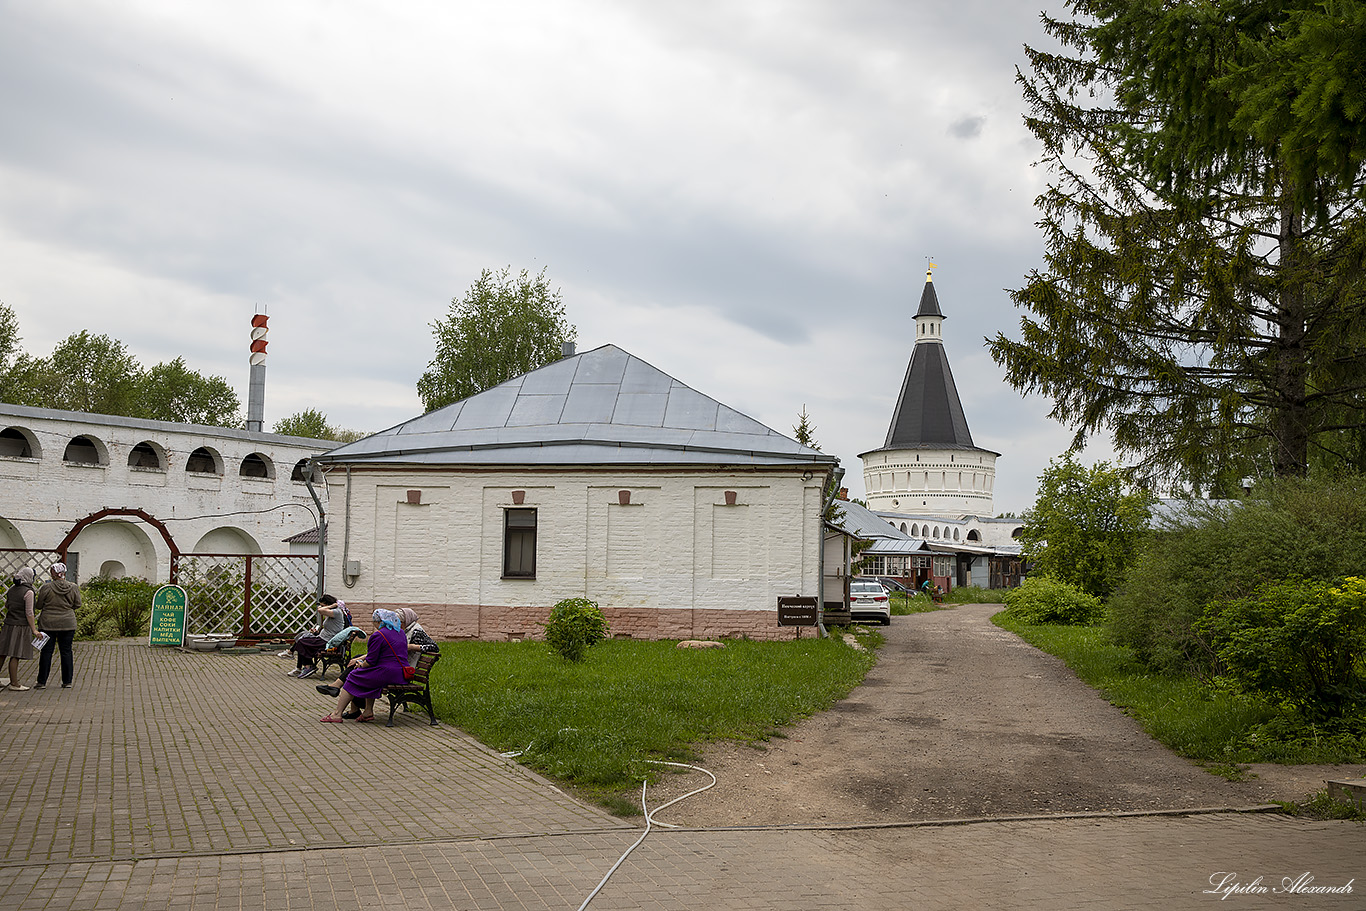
{"x":213,"y":489}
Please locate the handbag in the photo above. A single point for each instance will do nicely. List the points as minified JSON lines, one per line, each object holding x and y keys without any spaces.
{"x":409,"y":672}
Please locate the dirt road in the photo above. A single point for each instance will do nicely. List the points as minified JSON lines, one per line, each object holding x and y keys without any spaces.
{"x":961,"y":719}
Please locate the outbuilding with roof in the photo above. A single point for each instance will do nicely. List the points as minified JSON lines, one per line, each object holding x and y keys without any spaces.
{"x":597,"y":476}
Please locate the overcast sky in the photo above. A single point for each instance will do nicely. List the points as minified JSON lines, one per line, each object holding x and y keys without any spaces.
{"x":744,"y":194}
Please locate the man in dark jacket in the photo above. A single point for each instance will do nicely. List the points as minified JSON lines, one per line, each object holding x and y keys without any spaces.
{"x":56,"y":608}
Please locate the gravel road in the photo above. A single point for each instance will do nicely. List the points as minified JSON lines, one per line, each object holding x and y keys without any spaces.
{"x":961,"y":719}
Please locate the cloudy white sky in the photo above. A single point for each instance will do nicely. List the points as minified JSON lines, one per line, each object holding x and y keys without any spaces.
{"x":743,"y":193}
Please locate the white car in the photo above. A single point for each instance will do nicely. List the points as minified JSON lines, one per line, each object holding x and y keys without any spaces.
{"x":870,"y":601}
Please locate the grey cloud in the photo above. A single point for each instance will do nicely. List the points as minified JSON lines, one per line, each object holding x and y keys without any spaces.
{"x":967,"y":127}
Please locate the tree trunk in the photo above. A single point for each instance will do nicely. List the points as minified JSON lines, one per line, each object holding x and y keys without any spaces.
{"x":1290,"y":419}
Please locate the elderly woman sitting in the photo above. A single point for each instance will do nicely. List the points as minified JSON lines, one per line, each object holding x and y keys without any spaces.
{"x":418,"y":640}
{"x":381,"y":666}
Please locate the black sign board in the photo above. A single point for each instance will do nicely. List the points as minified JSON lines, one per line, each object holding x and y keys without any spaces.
{"x":796,"y":611}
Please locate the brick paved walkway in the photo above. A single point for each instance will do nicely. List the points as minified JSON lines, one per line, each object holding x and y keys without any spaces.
{"x":187,"y":781}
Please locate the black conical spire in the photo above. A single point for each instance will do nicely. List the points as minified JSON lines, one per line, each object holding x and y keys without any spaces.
{"x":928,"y":413}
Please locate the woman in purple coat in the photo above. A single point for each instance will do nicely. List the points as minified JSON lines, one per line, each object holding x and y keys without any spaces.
{"x":381,"y":666}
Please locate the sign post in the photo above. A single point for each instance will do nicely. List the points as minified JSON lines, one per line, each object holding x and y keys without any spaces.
{"x":170,"y":606}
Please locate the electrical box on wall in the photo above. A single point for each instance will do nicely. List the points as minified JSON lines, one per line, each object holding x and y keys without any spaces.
{"x":353,"y":568}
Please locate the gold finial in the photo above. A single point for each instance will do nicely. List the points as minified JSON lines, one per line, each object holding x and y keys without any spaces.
{"x":929,"y":266}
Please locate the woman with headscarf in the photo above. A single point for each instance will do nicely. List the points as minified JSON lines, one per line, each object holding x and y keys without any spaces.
{"x":382,"y":665}
{"x":21,"y":626}
{"x":418,"y":640}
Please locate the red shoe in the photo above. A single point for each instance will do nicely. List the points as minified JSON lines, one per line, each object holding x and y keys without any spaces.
{"x":330,"y":720}
{"x":366,"y":718}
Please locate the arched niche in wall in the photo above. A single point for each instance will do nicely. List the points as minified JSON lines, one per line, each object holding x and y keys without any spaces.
{"x":147,"y":455}
{"x":974,"y":536}
{"x":300,"y":467}
{"x":117,"y":540}
{"x":204,"y":461}
{"x":85,"y":450}
{"x":257,"y":465}
{"x":18,"y":443}
{"x":226,"y":539}
{"x":10,"y":536}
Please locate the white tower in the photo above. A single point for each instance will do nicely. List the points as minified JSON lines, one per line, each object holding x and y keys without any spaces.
{"x":929,"y":465}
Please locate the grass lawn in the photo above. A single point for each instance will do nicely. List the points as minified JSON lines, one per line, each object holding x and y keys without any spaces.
{"x":1193,"y":718}
{"x":592,"y":725}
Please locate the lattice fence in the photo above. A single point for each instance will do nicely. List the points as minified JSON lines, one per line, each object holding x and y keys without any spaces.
{"x":252,"y":596}
{"x":40,"y":561}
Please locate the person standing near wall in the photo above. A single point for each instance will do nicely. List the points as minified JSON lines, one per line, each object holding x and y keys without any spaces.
{"x":21,"y":627}
{"x":56,"y":604}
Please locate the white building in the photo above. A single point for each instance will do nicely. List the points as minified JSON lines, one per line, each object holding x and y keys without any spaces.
{"x":930,"y":481}
{"x":117,"y":495}
{"x":597,"y":476}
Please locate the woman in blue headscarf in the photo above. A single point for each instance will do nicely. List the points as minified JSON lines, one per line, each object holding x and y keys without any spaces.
{"x":381,"y":666}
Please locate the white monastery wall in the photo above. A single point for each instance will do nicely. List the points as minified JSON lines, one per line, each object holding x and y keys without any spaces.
{"x":47,"y":486}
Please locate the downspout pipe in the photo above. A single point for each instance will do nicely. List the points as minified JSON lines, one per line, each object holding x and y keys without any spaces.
{"x":322,"y":527}
{"x":832,"y":480}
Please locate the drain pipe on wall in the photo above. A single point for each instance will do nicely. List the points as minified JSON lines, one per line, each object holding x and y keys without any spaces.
{"x":322,"y":528}
{"x":832,"y":479}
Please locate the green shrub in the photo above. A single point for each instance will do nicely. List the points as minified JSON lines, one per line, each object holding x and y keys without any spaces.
{"x":1042,"y":599}
{"x":1219,"y":552}
{"x":576,"y":624}
{"x":114,"y":607}
{"x":1298,"y":642}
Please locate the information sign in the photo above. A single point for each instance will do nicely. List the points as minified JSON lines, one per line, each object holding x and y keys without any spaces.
{"x":169,"y":606}
{"x":796,"y":611}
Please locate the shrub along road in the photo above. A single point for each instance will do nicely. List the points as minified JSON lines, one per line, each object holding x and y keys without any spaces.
{"x":961,"y":719}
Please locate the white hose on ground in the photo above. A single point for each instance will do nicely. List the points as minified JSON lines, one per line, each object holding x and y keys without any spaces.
{"x":650,"y":820}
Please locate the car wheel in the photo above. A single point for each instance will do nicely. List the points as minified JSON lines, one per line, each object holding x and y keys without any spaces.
{"x":886,"y":621}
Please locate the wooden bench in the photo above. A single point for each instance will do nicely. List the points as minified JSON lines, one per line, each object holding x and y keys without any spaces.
{"x":417,"y":691}
{"x":338,"y":656}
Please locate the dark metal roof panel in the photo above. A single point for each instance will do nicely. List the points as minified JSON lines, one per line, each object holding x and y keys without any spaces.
{"x":928,"y":413}
{"x":929,"y":301}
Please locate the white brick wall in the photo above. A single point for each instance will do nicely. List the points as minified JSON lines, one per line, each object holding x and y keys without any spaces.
{"x":676,"y":550}
{"x":42,"y":497}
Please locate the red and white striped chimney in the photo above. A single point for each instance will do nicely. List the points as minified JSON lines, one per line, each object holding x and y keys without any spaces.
{"x":256,"y":391}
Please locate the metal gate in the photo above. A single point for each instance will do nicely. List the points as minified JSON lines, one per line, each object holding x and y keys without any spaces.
{"x":252,"y":596}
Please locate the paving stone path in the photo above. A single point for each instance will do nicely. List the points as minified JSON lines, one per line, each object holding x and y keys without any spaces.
{"x":178,"y":780}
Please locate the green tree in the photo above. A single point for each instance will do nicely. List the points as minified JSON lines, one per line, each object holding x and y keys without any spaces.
{"x":85,"y":372}
{"x":9,"y":339}
{"x":1204,"y":296}
{"x":804,"y":431}
{"x":97,"y":374}
{"x":170,"y":391}
{"x":313,"y":424}
{"x":504,"y":326}
{"x":1085,"y":526}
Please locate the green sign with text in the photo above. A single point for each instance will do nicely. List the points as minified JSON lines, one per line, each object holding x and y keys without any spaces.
{"x":169,"y":605}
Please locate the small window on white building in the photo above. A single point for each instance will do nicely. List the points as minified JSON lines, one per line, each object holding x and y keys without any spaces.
{"x":256,"y":466}
{"x":519,"y":544}
{"x":202,"y":461}
{"x":82,"y":451}
{"x":145,"y":455}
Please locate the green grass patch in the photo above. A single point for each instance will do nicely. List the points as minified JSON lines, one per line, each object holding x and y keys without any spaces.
{"x":904,"y":604}
{"x":975,"y":594}
{"x":592,"y":725}
{"x":1192,"y":717}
